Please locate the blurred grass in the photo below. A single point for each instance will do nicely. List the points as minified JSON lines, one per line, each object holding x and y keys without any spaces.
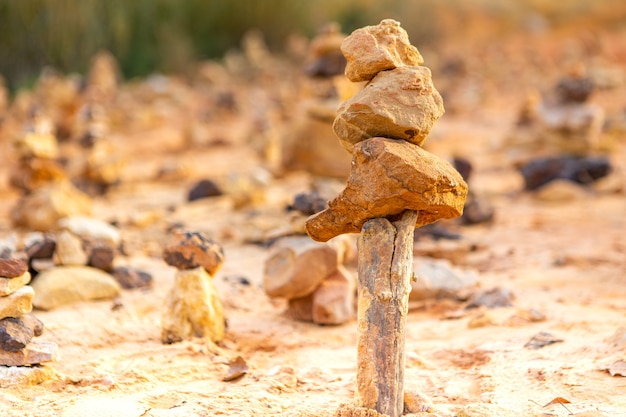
{"x":168,"y":35}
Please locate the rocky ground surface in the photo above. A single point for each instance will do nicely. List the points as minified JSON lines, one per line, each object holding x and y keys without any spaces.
{"x":558,"y":255}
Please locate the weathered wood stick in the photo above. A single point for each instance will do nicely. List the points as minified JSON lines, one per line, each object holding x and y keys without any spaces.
{"x":384,"y":284}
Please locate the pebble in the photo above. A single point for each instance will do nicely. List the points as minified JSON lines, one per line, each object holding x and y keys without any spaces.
{"x":130,"y":278}
{"x":10,"y":285}
{"x":492,"y":298}
{"x":100,"y":256}
{"x":309,"y":203}
{"x":204,"y":189}
{"x":189,"y":250}
{"x":69,"y":284}
{"x":34,"y":353}
{"x":582,"y":170}
{"x":17,"y":303}
{"x":90,"y":229}
{"x":296,"y":266}
{"x":12,"y":268}
{"x":437,"y":278}
{"x":333,"y":300}
{"x":69,"y":250}
{"x":14,"y":334}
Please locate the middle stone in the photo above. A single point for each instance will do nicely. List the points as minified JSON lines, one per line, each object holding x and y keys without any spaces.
{"x":399,"y":104}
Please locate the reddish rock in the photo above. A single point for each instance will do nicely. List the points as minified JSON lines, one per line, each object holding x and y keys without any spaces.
{"x":189,"y":250}
{"x":388,"y":177}
{"x":12,"y":268}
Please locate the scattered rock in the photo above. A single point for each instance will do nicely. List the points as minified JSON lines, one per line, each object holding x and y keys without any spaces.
{"x":477,"y":210}
{"x":333,"y":299}
{"x":130,"y":278}
{"x":542,"y":339}
{"x":100,"y":256}
{"x":43,"y":208}
{"x":296,"y":266}
{"x":300,"y":308}
{"x":14,"y":334}
{"x":17,"y":303}
{"x":10,"y":285}
{"x":236,"y":369}
{"x":582,"y":170}
{"x":69,"y":250}
{"x":34,"y":353}
{"x":495,"y":297}
{"x":192,"y":308}
{"x":41,"y":248}
{"x":437,"y":278}
{"x":373,"y":49}
{"x":397,"y":104}
{"x":70,"y":284}
{"x":309,"y":203}
{"x":12,"y":268}
{"x":90,"y":229}
{"x":388,"y":177}
{"x":204,"y":189}
{"x":189,"y":250}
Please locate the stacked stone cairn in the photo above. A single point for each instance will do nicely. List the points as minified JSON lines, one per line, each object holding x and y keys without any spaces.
{"x":193,"y":307}
{"x":313,"y":277}
{"x":18,"y":326}
{"x":383,"y":126}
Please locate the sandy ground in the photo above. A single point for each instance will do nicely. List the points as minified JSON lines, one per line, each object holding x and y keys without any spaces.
{"x":564,"y":259}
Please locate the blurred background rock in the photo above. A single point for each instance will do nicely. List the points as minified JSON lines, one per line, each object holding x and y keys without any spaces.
{"x":149,"y":36}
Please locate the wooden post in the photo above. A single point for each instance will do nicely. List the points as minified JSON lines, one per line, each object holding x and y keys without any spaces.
{"x":384,"y":283}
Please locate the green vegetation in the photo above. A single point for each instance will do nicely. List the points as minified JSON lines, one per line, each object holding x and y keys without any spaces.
{"x":166,"y":35}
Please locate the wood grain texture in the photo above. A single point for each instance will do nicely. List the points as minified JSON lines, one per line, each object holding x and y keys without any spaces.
{"x":385,"y":266}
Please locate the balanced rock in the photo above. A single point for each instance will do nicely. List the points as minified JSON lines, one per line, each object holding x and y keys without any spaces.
{"x":100,"y":256}
{"x":42,"y":209}
{"x":14,"y":335}
{"x":373,"y":49}
{"x":398,"y":104}
{"x":189,"y":250}
{"x":18,"y":303}
{"x":192,"y":308}
{"x":388,"y":177}
{"x":69,"y":284}
{"x":34,"y":353}
{"x":296,"y":266}
{"x":12,"y":267}
{"x":10,"y":285}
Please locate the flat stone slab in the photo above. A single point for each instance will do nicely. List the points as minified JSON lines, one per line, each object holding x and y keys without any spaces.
{"x":34,"y":353}
{"x":388,"y":177}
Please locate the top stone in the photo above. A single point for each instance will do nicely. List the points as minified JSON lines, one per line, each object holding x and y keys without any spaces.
{"x":372,"y":49}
